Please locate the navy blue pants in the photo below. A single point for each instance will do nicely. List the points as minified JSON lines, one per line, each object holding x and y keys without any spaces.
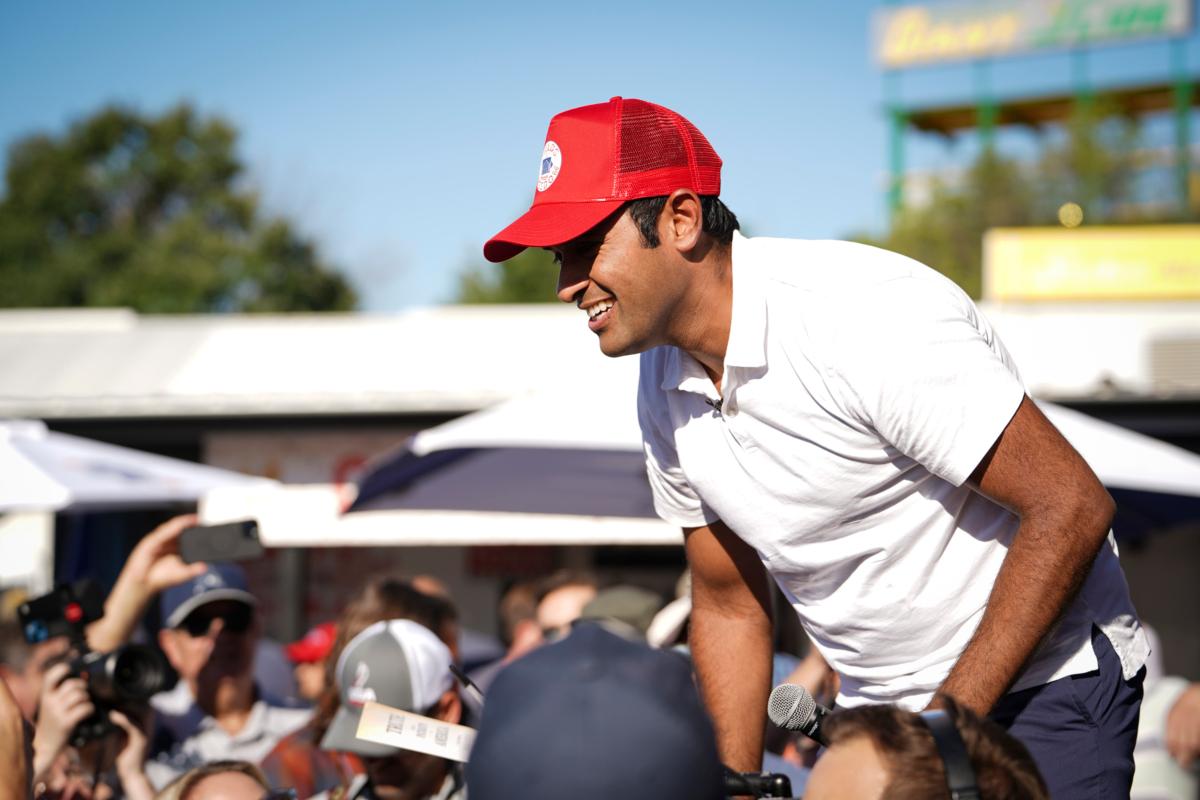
{"x":1081,"y":729}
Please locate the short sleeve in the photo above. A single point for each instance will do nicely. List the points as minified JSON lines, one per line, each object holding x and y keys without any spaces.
{"x":674,"y":499}
{"x":927,"y":372}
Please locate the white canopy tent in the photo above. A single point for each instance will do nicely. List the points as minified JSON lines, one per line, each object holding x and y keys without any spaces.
{"x":43,"y":470}
{"x":564,"y":467}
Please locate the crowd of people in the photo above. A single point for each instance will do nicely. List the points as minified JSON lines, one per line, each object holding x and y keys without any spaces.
{"x":593,"y":696}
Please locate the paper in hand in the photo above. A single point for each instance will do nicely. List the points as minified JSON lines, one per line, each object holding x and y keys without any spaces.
{"x":408,"y":731}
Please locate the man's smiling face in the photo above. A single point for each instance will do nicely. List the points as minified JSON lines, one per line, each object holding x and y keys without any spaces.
{"x":625,"y":288}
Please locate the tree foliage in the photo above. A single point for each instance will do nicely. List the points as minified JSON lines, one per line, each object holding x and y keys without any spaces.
{"x":145,"y":212}
{"x":1094,"y":163}
{"x":528,"y":277}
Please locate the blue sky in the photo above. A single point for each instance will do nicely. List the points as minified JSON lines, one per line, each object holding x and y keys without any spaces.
{"x":401,"y":135}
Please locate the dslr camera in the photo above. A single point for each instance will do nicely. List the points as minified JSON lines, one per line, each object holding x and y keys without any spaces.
{"x":123,"y":679}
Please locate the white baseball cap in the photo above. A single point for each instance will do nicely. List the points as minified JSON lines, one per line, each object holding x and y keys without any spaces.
{"x":397,"y":662}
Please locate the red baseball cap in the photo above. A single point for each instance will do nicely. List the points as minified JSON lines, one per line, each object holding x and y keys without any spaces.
{"x":598,"y":157}
{"x":315,"y":645}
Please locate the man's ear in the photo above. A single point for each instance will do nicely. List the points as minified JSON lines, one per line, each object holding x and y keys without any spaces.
{"x":682,"y":221}
{"x":449,"y":707}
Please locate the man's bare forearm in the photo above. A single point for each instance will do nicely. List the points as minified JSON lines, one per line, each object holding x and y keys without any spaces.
{"x":730,"y":639}
{"x":732,"y":655}
{"x":1042,"y":573}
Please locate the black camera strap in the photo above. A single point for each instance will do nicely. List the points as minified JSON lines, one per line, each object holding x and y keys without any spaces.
{"x":960,"y":777}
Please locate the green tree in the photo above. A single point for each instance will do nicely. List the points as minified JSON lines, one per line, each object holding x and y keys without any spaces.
{"x":947,"y":232}
{"x":528,"y":277}
{"x":150,"y":213}
{"x":1094,"y":164}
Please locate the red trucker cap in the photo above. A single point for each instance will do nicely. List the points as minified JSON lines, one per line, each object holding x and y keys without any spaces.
{"x":315,"y":645}
{"x":598,"y":157}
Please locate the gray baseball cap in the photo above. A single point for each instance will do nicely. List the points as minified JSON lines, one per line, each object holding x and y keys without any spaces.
{"x":399,"y":663}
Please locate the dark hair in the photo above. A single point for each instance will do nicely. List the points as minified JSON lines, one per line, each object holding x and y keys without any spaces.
{"x":517,"y":604}
{"x":719,"y":221}
{"x":1004,"y":770}
{"x":562,"y":579}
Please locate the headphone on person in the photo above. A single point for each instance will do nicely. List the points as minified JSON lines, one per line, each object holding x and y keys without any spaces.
{"x":960,"y":776}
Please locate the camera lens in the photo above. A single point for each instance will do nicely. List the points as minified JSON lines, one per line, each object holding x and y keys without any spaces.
{"x":137,"y":672}
{"x":132,"y":672}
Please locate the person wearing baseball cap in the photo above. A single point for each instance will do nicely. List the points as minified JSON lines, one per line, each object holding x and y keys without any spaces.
{"x":402,"y":664}
{"x":595,"y":715}
{"x":847,"y":418}
{"x":308,"y":655}
{"x":210,"y":634}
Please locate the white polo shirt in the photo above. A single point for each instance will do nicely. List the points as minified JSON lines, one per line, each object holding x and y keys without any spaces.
{"x":861,"y":389}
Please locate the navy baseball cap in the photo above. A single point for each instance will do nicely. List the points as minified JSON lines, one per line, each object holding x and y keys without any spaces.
{"x":595,"y":716}
{"x":221,"y":581}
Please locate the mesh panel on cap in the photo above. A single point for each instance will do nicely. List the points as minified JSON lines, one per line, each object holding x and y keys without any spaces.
{"x":660,"y":152}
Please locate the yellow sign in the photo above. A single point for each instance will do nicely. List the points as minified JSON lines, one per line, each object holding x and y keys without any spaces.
{"x":1135,"y":262}
{"x":936,"y":32}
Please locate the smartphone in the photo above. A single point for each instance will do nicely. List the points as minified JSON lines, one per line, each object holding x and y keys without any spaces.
{"x":230,"y":541}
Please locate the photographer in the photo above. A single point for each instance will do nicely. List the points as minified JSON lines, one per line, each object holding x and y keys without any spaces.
{"x":72,"y":710}
{"x":64,"y":704}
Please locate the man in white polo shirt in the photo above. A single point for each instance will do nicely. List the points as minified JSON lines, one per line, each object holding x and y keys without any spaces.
{"x":844,"y":416}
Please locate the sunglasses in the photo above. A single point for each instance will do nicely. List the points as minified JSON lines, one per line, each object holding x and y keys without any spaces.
{"x":236,"y":619}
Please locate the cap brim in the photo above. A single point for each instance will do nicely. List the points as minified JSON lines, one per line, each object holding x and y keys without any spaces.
{"x":548,"y":224}
{"x":303,"y":652}
{"x":341,"y":736}
{"x":192,"y":603}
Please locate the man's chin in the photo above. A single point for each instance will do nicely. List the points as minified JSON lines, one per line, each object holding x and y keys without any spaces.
{"x":615,"y":348}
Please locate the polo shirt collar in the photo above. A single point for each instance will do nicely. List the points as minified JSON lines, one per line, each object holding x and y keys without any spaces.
{"x":747,"y":328}
{"x":748,"y":324}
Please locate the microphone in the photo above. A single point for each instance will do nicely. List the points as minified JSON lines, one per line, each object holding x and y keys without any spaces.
{"x":792,"y":708}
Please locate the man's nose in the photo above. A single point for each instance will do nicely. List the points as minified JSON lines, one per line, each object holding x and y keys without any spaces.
{"x":572,"y":280}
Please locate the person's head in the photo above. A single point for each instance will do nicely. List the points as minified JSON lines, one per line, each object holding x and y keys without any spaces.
{"x":383,"y":598}
{"x":307,"y":654}
{"x":560,"y":601}
{"x":402,"y":664}
{"x":624,"y":609}
{"x":22,"y":665}
{"x":218,"y":780}
{"x":883,"y":751}
{"x":210,"y":629}
{"x":627,"y":198}
{"x":516,"y":615}
{"x":595,"y":716}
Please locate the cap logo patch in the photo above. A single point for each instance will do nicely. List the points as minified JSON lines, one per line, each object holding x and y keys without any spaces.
{"x":207,"y":582}
{"x":358,"y":692}
{"x":551,"y":164}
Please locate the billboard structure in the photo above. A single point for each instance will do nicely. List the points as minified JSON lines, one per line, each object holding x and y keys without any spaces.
{"x":912,"y":35}
{"x":915,"y":35}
